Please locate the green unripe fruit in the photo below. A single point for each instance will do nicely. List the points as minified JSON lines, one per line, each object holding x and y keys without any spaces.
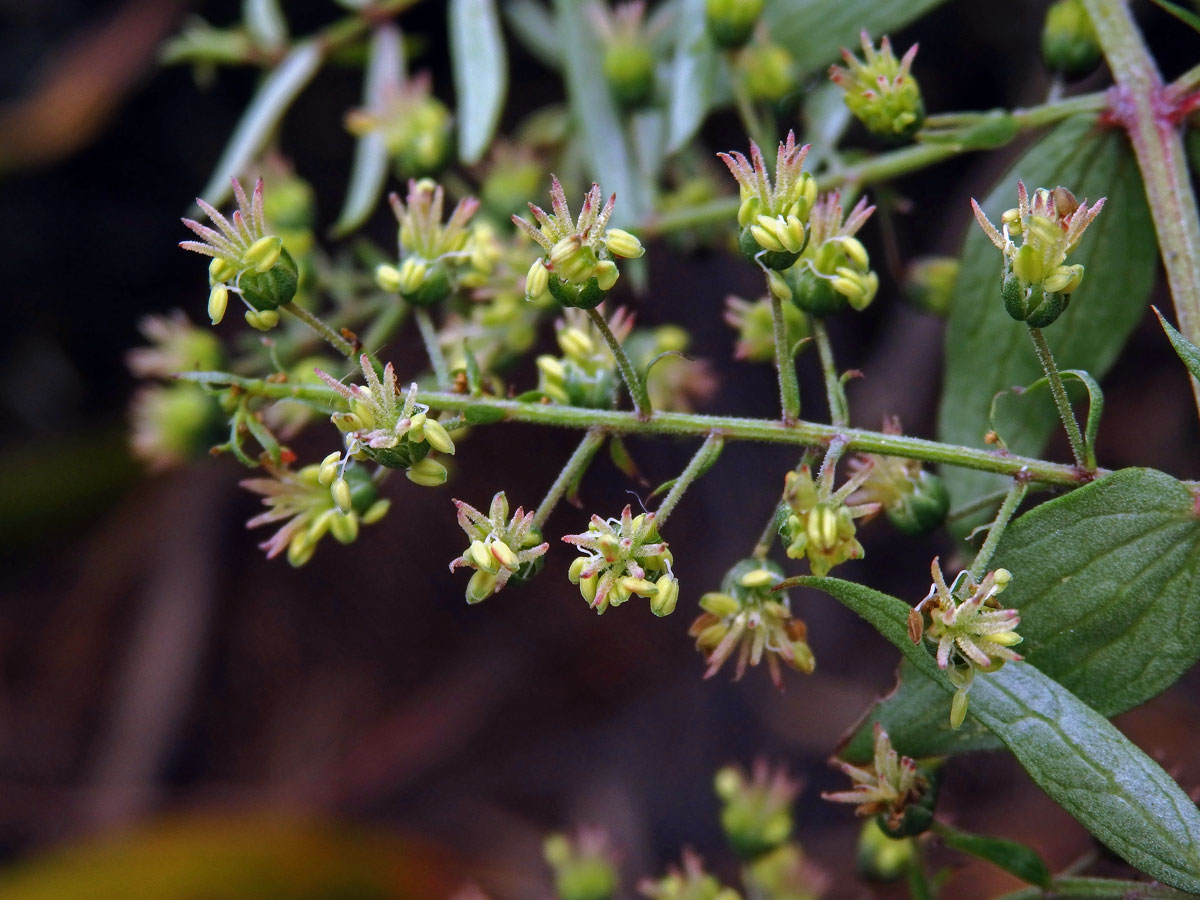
{"x":813,"y":294}
{"x":772,"y":259}
{"x":1033,"y":306}
{"x":731,"y":22}
{"x":1069,"y":41}
{"x":274,"y":288}
{"x":402,"y":456}
{"x":585,"y":296}
{"x":923,"y":509}
{"x":629,"y":71}
{"x":918,"y":815}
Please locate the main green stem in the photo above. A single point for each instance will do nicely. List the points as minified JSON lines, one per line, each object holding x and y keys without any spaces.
{"x":1059,"y":392}
{"x":338,"y":342}
{"x":835,"y":394}
{"x":700,"y":463}
{"x":785,"y":363}
{"x":1143,"y":105}
{"x":635,"y":385}
{"x":1008,"y":509}
{"x":798,"y":434}
{"x":433,"y":348}
{"x":570,"y":473}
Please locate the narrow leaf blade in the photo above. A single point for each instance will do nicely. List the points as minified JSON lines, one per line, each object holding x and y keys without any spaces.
{"x":693,"y":71}
{"x":480,"y":73}
{"x":277,"y":92}
{"x":1188,"y":352}
{"x":1012,"y":856}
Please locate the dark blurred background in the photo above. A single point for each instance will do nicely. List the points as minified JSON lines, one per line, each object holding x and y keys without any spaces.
{"x":155,"y":669}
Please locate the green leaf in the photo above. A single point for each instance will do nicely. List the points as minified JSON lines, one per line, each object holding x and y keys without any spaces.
{"x":368,"y":172}
{"x":693,"y":71}
{"x":1107,"y":579}
{"x":988,"y":352}
{"x":814,"y":30}
{"x":1188,"y":352}
{"x":480,"y":73}
{"x":610,"y":158}
{"x":535,"y":29}
{"x":1072,"y":752}
{"x":1095,"y":408}
{"x":1184,"y":15}
{"x":276,"y":93}
{"x":1011,"y":856}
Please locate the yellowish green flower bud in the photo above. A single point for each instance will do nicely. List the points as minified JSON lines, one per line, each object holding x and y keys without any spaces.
{"x":341,"y":495}
{"x":757,"y":578}
{"x":481,"y":556}
{"x":749,"y":211}
{"x":958,"y":708}
{"x":416,"y":427}
{"x":263,"y":253}
{"x":427,"y":473}
{"x":1063,"y":280}
{"x":344,"y":528}
{"x":221,"y":269}
{"x":880,"y":90}
{"x":503,"y":554}
{"x":411,"y":275}
{"x":575,"y":343}
{"x":438,"y":437}
{"x":573,"y":260}
{"x":376,"y":511}
{"x":262,"y":320}
{"x":300,"y":549}
{"x":576,"y":571}
{"x":329,"y":468}
{"x":720,"y":605}
{"x":606,"y":274}
{"x":666,"y":596}
{"x":480,"y":586}
{"x":388,"y":278}
{"x":218,"y":301}
{"x":621,"y":243}
{"x":588,"y":586}
{"x":537,"y":281}
{"x":854,"y":249}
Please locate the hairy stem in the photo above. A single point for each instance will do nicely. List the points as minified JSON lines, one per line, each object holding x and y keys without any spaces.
{"x":798,"y":434}
{"x":573,"y":469}
{"x":338,"y":342}
{"x":433,"y":348}
{"x":1012,"y":500}
{"x":785,"y":363}
{"x":700,"y":463}
{"x":1059,"y":392}
{"x":835,"y":393}
{"x":1142,"y":104}
{"x":635,"y":385}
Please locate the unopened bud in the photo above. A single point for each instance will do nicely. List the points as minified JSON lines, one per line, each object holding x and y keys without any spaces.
{"x":958,"y":708}
{"x":329,"y":468}
{"x":218,"y":300}
{"x":758,"y":578}
{"x":778,"y":286}
{"x":666,"y":596}
{"x":220,"y":270}
{"x":576,"y":571}
{"x":263,"y":253}
{"x":341,"y":495}
{"x":606,"y":274}
{"x":621,"y":243}
{"x":388,"y":278}
{"x":537,"y":281}
{"x":1063,"y":280}
{"x":412,"y":273}
{"x":504,"y":554}
{"x":575,"y":343}
{"x":480,"y":586}
{"x":438,"y":437}
{"x":427,"y":473}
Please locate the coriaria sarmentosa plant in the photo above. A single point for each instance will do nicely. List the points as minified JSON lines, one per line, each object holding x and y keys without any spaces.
{"x":510,"y":318}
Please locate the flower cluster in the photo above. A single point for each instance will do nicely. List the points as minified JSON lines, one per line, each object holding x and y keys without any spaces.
{"x":624,"y":557}
{"x":689,"y":882}
{"x":731,"y":22}
{"x":881,"y":91}
{"x":756,"y":809}
{"x":915,"y":501}
{"x":1036,"y":284}
{"x":431,"y":253}
{"x":584,"y":866}
{"x":752,"y":320}
{"x":834,"y":270}
{"x":303,"y":501}
{"x":773,"y":217}
{"x":585,"y":374}
{"x":578,"y":269}
{"x":749,"y":616}
{"x":894,"y":788}
{"x":501,"y":549}
{"x":394,"y":433}
{"x":414,"y":124}
{"x":247,"y":259}
{"x":972,"y":632}
{"x":820,"y":524}
{"x":628,"y":57}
